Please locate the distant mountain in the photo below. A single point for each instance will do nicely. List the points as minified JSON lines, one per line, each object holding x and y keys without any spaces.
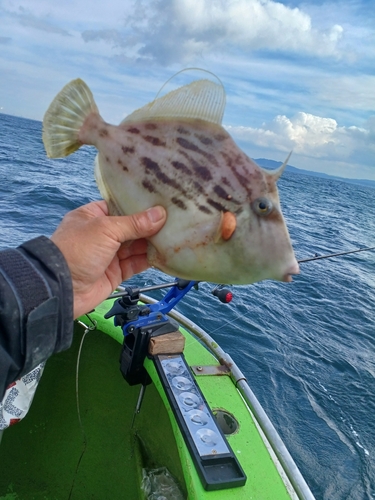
{"x":271,"y":164}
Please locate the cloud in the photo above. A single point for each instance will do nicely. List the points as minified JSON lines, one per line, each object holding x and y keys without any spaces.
{"x":41,"y":24}
{"x":312,"y":136}
{"x":108,"y":35}
{"x":26,"y":18}
{"x":273,"y":58}
{"x":170,"y":31}
{"x":347,"y":91}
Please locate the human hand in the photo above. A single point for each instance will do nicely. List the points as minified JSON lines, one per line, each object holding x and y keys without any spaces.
{"x":102,"y":250}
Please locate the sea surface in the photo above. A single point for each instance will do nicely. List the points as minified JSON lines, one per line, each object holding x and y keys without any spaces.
{"x":307,"y":348}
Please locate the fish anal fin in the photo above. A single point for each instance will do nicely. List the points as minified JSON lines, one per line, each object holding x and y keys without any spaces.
{"x":103,"y":189}
{"x":112,"y":207}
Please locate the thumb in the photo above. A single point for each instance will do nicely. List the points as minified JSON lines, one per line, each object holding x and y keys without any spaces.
{"x":139,"y":225}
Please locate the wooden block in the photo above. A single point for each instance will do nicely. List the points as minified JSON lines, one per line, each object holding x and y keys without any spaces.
{"x":169,"y":343}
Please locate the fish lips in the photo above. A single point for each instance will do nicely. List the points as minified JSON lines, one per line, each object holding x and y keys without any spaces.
{"x":288,"y":276}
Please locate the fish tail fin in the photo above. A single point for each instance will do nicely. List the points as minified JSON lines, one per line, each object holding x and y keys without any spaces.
{"x":65,"y":117}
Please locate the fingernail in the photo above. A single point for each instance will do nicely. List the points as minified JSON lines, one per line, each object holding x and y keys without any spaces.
{"x":155,"y":214}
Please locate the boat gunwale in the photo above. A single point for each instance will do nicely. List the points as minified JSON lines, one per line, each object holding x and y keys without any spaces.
{"x":272,"y":436}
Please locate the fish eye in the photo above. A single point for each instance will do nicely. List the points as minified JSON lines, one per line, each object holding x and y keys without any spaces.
{"x":262,"y":206}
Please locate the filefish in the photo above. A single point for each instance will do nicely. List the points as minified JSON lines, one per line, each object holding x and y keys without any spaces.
{"x":224,"y":221}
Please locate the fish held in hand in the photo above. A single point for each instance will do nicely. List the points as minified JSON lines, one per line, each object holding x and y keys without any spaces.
{"x":224,"y":221}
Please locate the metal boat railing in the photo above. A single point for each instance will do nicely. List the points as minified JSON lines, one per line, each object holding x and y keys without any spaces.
{"x":278,"y":447}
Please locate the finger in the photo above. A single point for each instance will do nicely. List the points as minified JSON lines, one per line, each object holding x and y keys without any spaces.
{"x":102,"y":205}
{"x":133,"y":265}
{"x":137,"y":247}
{"x":140,"y":225}
{"x":95,"y":208}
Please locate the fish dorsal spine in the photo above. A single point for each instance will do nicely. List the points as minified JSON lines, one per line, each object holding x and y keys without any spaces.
{"x":201,"y":99}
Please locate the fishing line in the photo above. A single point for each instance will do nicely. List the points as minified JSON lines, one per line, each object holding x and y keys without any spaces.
{"x":77,"y":387}
{"x":190,"y":69}
{"x":78,"y":410}
{"x":229,"y":322}
{"x":240,"y":315}
{"x":87,"y":330}
{"x":318,"y":257}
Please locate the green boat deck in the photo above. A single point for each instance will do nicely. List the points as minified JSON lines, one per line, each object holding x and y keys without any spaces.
{"x":46,"y":456}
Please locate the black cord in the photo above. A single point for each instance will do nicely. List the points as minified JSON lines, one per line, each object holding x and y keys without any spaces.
{"x":318,"y":257}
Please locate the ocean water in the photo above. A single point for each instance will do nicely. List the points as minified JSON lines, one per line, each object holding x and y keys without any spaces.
{"x":307,"y":348}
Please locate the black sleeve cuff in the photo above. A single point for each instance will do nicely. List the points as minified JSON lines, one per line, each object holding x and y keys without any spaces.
{"x":39,"y":277}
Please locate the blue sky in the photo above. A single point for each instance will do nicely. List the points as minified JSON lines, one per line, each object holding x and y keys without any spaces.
{"x":299,"y":75}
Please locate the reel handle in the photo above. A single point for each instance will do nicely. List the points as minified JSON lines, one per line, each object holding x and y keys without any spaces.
{"x":223,"y":294}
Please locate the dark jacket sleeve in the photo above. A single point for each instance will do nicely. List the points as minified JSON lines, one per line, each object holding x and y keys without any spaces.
{"x":36,"y":307}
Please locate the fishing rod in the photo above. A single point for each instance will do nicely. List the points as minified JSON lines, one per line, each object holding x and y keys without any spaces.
{"x":318,"y":257}
{"x":223,"y":294}
{"x":124,"y":292}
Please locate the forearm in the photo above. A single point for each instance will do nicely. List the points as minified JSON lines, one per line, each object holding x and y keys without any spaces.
{"x":36,"y":307}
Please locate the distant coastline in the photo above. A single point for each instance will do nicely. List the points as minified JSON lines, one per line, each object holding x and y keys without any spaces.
{"x":271,"y":164}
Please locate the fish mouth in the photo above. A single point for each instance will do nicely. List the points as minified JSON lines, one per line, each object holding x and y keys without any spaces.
{"x":288,"y":276}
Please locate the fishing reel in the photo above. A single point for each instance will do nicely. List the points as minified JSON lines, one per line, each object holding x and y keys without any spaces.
{"x":141,"y":322}
{"x":223,"y":294}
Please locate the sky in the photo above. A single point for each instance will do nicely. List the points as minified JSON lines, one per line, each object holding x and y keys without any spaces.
{"x":299,"y":76}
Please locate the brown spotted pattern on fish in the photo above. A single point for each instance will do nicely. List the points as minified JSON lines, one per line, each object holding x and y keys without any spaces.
{"x":203,"y":139}
{"x":151,"y":126}
{"x":181,"y":166}
{"x":179,"y":203}
{"x":224,"y":219}
{"x":187,"y":180}
{"x":156,"y":175}
{"x":155,"y":141}
{"x":189,"y":175}
{"x":149,"y":186}
{"x":182,"y":130}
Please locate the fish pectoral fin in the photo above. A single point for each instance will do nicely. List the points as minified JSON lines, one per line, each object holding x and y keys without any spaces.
{"x":65,"y":117}
{"x":227,"y":226}
{"x":201,"y":99}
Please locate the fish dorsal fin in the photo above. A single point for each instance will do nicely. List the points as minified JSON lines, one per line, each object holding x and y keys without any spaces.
{"x":201,"y":99}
